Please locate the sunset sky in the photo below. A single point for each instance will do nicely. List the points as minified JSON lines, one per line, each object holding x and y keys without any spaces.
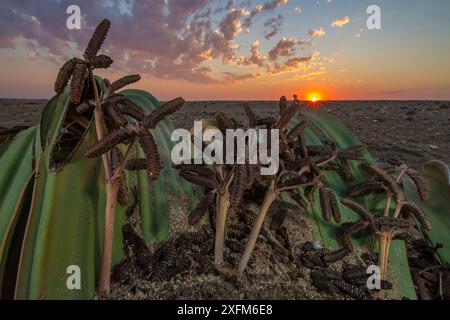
{"x":234,"y":50}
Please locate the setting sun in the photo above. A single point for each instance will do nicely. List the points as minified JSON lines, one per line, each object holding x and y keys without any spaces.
{"x":314,"y":96}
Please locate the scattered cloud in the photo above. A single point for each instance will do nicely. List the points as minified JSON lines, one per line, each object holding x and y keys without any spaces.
{"x":231,"y":26}
{"x":286,"y":47}
{"x":317,"y":32}
{"x":274,"y":24}
{"x":232,"y":77}
{"x":261,"y":8}
{"x":255,"y":57}
{"x":341,"y":22}
{"x":293,"y":64}
{"x":182,"y":40}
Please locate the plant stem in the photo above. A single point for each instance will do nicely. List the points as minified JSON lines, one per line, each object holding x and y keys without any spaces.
{"x":398,"y":207}
{"x":382,"y":253}
{"x":386,"y":257}
{"x":399,"y":203}
{"x":386,"y":237}
{"x":112,"y":190}
{"x":269,"y":198}
{"x":388,"y":206}
{"x":223,"y":205}
{"x":121,"y":168}
{"x":385,"y":243}
{"x":98,"y":115}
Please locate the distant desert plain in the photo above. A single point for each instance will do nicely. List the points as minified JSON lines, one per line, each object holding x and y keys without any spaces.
{"x":414,"y":131}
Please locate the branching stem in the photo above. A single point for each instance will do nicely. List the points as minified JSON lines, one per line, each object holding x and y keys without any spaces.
{"x":112,"y":190}
{"x":385,"y":238}
{"x":388,"y":205}
{"x":399,"y":199}
{"x":223,"y":205}
{"x":269,"y":198}
{"x":98,"y":115}
{"x":385,"y":243}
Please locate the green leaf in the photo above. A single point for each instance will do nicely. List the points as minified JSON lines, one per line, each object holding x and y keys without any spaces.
{"x":437,"y":208}
{"x":64,"y":224}
{"x":15,"y":173}
{"x":63,"y":212}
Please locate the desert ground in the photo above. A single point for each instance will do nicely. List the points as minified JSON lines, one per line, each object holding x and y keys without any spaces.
{"x":414,"y":131}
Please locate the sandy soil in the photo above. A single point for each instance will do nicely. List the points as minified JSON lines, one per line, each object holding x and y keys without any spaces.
{"x":178,"y":268}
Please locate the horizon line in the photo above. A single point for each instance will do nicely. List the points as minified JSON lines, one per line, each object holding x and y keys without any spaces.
{"x":266,"y":100}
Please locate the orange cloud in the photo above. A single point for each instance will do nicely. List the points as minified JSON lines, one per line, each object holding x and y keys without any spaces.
{"x":317,"y":32}
{"x":341,"y":22}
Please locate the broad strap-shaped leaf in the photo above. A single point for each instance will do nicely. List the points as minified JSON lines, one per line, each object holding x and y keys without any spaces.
{"x":16,"y":158}
{"x":437,"y":208}
{"x":62,"y":212}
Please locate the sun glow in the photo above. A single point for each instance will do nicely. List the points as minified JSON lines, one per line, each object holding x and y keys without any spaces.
{"x":314,"y":96}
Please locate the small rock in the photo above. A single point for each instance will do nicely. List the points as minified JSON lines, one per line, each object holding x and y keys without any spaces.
{"x":432,"y":146}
